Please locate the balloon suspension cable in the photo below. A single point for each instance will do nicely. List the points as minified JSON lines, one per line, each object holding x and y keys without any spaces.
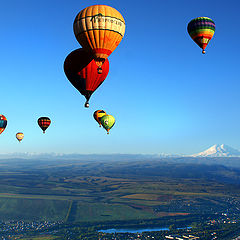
{"x":86,"y":104}
{"x":203,"y":51}
{"x":99,"y":70}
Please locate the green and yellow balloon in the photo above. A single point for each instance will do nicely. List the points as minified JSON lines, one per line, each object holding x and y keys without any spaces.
{"x":107,"y":122}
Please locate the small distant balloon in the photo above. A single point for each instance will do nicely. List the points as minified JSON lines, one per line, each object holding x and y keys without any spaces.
{"x":98,"y":115}
{"x":107,"y":122}
{"x":44,"y":123}
{"x":3,"y":123}
{"x":201,"y":30}
{"x":19,"y":136}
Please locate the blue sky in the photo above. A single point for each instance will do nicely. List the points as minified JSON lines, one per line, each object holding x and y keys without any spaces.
{"x":165,"y":95}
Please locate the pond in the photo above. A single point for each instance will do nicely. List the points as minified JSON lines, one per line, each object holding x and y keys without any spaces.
{"x":132,"y":230}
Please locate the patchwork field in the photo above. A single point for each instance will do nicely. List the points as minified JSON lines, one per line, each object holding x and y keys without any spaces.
{"x":80,"y":191}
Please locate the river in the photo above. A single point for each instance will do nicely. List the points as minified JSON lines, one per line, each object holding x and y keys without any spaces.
{"x":132,"y":230}
{"x":125,"y":230}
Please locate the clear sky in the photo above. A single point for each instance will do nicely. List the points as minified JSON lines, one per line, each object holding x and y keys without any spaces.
{"x":166,"y":96}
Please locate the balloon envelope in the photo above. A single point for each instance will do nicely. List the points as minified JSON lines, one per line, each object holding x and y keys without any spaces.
{"x":44,"y":123}
{"x":108,"y":122}
{"x":81,"y":70}
{"x":98,"y":115}
{"x":3,"y":123}
{"x":19,"y":136}
{"x":99,"y":29}
{"x":201,"y":30}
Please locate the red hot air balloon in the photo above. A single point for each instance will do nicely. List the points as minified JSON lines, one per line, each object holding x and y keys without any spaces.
{"x":44,"y":123}
{"x":82,"y":71}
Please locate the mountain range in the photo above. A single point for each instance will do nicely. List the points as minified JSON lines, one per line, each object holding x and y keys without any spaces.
{"x":217,"y":150}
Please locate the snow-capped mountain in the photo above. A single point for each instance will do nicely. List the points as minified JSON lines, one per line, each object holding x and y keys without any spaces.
{"x":218,"y":150}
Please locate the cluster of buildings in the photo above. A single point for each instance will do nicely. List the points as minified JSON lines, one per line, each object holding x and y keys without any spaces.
{"x":21,"y":226}
{"x":183,"y":237}
{"x":227,"y":220}
{"x":128,"y":236}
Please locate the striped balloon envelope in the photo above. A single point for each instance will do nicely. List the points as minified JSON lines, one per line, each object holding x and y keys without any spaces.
{"x":44,"y":123}
{"x":19,"y":136}
{"x":98,"y":115}
{"x":99,"y":29}
{"x":201,"y":30}
{"x":3,"y":123}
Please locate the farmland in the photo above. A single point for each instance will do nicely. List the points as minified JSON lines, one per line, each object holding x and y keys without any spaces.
{"x":75,"y":191}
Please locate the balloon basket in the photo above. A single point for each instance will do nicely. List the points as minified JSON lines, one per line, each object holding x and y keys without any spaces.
{"x":99,"y":70}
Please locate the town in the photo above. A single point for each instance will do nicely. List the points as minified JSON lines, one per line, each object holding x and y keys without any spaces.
{"x":222,"y":227}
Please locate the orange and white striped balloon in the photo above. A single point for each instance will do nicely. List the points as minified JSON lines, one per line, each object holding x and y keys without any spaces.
{"x":99,"y":29}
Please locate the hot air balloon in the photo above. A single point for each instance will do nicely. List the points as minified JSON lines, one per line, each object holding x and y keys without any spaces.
{"x":3,"y":123}
{"x":19,"y":136}
{"x":98,"y":115}
{"x":108,"y":122}
{"x":201,"y":30}
{"x":81,"y":71}
{"x":99,"y":29}
{"x":44,"y":123}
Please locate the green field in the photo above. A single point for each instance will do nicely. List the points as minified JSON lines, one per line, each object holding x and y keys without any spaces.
{"x":32,"y":209}
{"x":38,"y":238}
{"x":89,"y":191}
